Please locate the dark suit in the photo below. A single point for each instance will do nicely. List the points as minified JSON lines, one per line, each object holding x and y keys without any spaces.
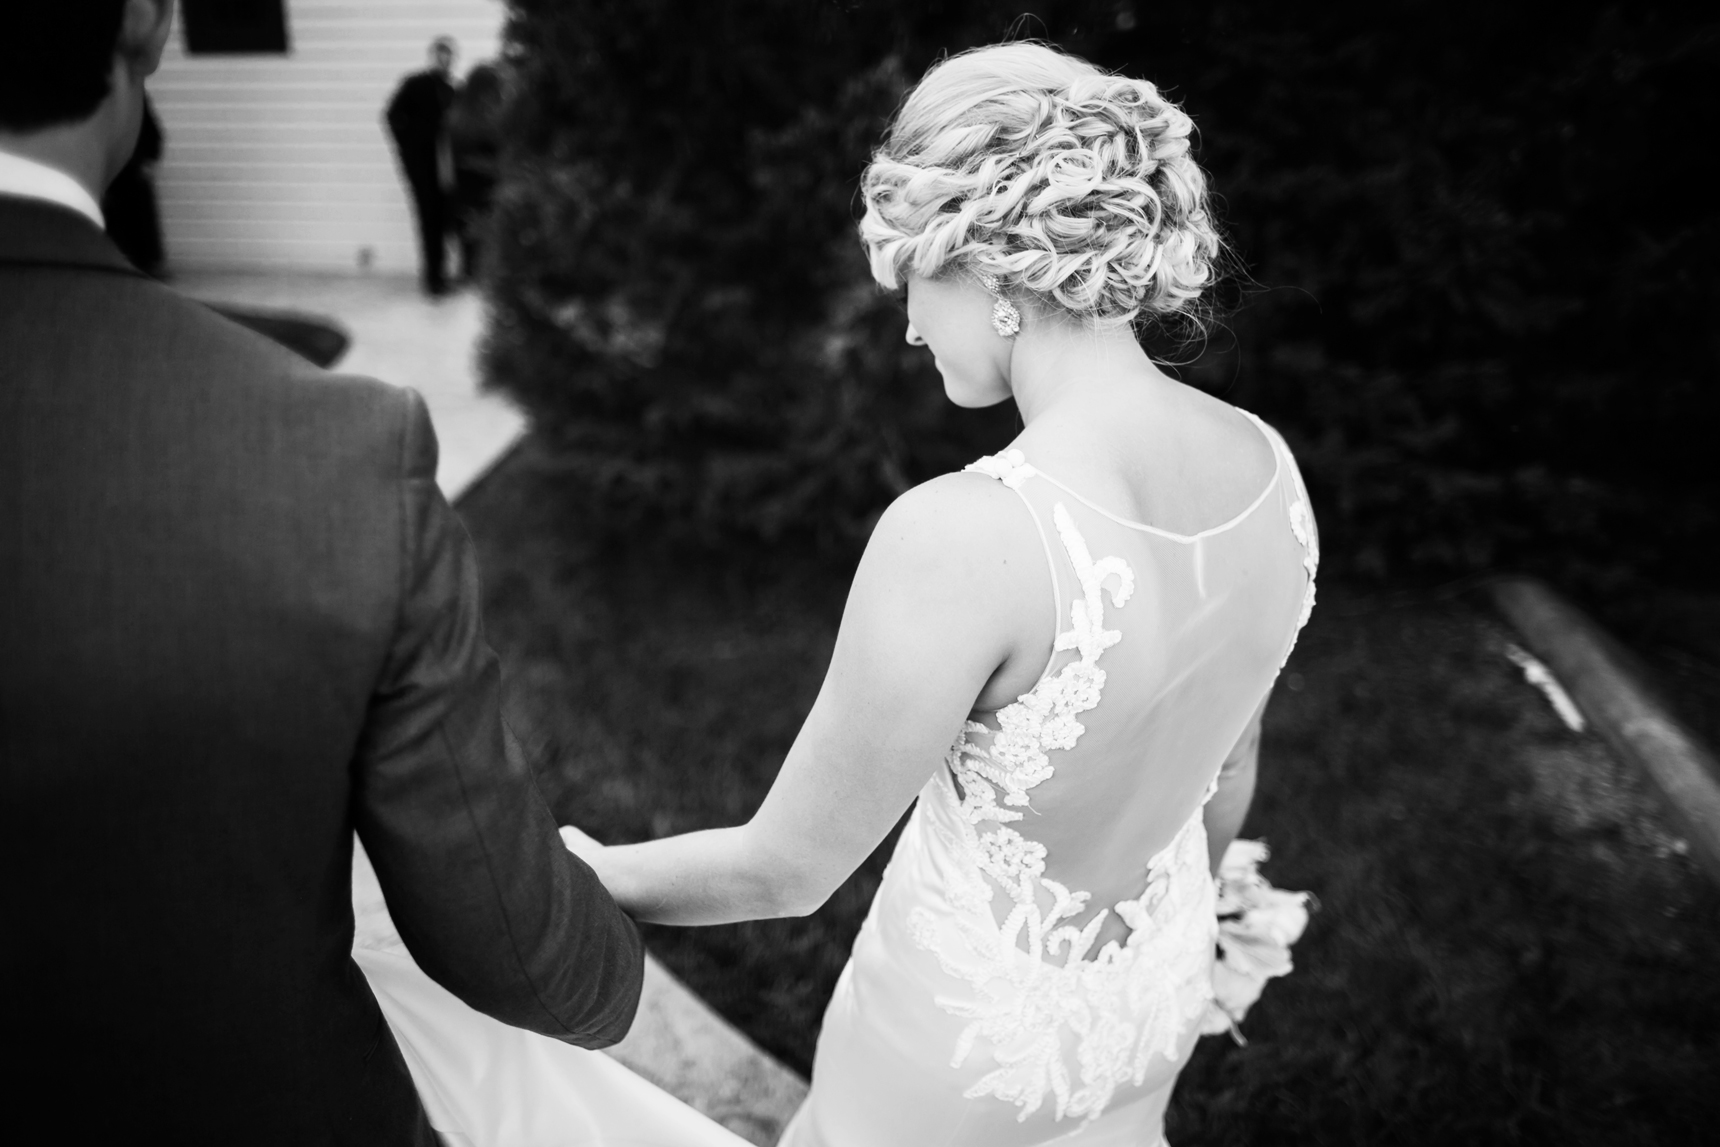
{"x":238,"y":621}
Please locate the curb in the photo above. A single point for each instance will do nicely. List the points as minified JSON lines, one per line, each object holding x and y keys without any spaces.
{"x":1595,"y":671}
{"x":684,"y":1047}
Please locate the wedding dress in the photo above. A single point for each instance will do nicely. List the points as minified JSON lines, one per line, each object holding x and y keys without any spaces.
{"x":485,"y":1084}
{"x":979,"y":1007}
{"x":983,"y":1003}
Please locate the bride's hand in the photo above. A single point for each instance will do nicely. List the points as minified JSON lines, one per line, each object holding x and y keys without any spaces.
{"x":581,"y":845}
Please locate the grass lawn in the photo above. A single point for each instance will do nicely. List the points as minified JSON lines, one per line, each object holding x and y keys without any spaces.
{"x":1510,"y":948}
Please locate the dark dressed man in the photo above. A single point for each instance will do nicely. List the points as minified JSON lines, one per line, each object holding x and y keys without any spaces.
{"x":238,"y":622}
{"x":417,"y":119}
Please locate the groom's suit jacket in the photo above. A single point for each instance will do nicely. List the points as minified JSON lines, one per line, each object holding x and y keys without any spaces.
{"x":237,"y":622}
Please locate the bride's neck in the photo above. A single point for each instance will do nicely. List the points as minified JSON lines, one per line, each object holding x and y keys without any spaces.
{"x":1056,"y":361}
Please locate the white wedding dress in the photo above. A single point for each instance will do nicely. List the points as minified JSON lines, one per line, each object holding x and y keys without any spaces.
{"x":984,"y":1004}
{"x":485,"y":1084}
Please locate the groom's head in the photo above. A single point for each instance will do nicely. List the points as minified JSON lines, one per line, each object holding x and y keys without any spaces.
{"x":71,"y":78}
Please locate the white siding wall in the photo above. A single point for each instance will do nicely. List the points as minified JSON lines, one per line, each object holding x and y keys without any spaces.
{"x":283,"y":162}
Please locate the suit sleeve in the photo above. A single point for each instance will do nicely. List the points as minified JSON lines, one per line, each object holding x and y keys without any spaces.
{"x":483,"y":893}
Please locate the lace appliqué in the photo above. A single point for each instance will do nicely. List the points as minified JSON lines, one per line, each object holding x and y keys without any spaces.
{"x":1134,"y":1000}
{"x":1302,"y":526}
{"x":1011,"y":468}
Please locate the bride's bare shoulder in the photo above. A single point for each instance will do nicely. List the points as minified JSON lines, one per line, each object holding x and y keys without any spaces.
{"x":1229,"y":440}
{"x":952,"y":511}
{"x":962,"y":540}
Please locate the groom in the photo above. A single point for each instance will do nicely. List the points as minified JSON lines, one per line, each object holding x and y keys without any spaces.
{"x":237,"y":622}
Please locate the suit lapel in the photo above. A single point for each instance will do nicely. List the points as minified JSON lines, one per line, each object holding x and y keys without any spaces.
{"x":36,"y":233}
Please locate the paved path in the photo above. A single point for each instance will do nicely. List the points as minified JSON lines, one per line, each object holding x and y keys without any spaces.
{"x":399,"y":336}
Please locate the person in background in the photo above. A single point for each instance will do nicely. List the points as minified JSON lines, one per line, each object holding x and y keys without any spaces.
{"x":417,"y":119}
{"x":475,"y":141}
{"x":133,"y":222}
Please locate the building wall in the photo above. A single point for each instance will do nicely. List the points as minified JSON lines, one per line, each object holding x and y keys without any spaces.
{"x":283,"y":162}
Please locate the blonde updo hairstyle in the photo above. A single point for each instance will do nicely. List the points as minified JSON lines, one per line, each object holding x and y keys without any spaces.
{"x":1074,"y":188}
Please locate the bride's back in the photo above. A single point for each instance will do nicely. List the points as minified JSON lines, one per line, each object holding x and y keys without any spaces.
{"x":1174,"y":525}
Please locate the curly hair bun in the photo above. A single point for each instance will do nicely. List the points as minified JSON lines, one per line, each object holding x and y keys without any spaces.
{"x":1032,"y":165}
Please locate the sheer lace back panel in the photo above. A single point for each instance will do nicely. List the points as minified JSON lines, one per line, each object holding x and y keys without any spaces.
{"x":1187,"y":633}
{"x":1063,"y":869}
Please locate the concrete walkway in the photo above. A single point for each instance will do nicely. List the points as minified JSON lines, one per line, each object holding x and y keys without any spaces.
{"x":399,"y":336}
{"x":677,"y":1041}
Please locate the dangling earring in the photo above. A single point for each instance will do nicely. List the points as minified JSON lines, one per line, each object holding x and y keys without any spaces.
{"x":1005,"y":319}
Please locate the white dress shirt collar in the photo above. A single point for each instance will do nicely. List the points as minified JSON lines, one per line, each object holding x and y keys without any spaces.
{"x":34,"y":180}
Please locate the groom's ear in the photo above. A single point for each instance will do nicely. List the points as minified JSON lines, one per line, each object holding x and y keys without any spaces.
{"x":143,"y":33}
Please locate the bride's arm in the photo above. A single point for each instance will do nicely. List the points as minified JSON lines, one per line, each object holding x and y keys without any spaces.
{"x":938,"y":605}
{"x":1228,"y":807}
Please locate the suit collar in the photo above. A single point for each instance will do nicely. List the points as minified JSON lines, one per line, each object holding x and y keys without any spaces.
{"x":35,"y":232}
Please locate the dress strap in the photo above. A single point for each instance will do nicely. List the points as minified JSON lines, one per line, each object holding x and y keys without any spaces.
{"x":1302,"y":526}
{"x":1013,"y":470}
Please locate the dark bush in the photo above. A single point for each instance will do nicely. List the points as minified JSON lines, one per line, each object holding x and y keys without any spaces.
{"x":1480,"y":243}
{"x":680,"y":301}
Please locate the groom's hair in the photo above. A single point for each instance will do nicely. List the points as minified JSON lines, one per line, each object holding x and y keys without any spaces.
{"x":55,"y":60}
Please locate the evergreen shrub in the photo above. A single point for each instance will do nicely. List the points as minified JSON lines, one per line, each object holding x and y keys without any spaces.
{"x":1479,"y":246}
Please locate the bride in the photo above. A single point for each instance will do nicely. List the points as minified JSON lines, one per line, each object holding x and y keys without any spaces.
{"x":1059,"y":657}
